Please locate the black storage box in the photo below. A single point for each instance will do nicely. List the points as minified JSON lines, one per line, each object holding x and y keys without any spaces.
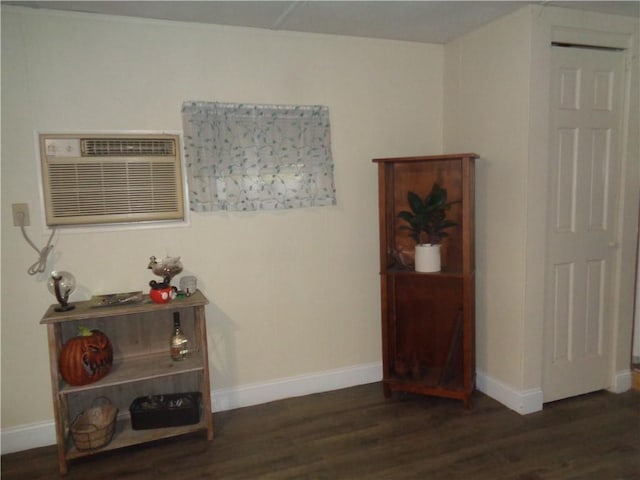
{"x":170,"y":410}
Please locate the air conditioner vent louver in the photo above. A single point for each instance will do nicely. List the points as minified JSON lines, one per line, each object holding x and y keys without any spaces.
{"x":105,"y":147}
{"x":99,"y":179}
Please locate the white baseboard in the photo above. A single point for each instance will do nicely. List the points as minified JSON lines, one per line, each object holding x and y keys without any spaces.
{"x":621,"y":382}
{"x":521,"y":401}
{"x":25,"y":437}
{"x":254,"y":394}
{"x":529,"y":401}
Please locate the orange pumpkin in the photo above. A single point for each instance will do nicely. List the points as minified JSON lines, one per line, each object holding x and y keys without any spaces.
{"x":86,"y":358}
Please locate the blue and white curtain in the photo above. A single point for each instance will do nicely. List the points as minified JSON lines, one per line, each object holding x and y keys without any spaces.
{"x":257,"y":157}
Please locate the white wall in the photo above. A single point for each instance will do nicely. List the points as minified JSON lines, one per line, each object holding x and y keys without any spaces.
{"x":292,"y":293}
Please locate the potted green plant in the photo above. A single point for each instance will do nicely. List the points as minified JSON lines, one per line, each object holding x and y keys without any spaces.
{"x":427,"y":222}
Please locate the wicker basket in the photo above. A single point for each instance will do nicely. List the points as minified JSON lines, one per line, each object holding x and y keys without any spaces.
{"x":94,"y":427}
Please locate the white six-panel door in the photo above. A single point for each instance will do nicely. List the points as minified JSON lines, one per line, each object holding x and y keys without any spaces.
{"x":586,"y":97}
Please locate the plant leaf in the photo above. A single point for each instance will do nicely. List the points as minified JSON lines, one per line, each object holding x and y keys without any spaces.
{"x":415,"y":202}
{"x":407,"y":216}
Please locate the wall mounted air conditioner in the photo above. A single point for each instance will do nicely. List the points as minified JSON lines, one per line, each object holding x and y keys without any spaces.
{"x":92,"y":179}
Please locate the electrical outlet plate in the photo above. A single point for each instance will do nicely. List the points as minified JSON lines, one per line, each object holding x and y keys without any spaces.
{"x":20,"y":214}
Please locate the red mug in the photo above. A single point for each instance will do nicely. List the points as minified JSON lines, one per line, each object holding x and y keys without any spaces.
{"x":162,"y":295}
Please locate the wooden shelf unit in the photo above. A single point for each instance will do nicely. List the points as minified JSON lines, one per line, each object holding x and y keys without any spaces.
{"x":142,"y":366}
{"x":428,"y":319}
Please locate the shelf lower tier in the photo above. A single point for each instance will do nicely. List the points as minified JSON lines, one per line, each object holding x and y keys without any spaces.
{"x":125,"y":436}
{"x":430,"y":385}
{"x":135,"y":369}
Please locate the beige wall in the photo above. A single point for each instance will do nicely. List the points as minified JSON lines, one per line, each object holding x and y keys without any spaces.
{"x":496,"y":102}
{"x":291,"y":292}
{"x":296,"y":292}
{"x":487,"y":111}
{"x":611,"y":30}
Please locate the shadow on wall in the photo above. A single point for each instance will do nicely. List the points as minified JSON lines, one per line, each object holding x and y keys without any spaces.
{"x":221,"y":332}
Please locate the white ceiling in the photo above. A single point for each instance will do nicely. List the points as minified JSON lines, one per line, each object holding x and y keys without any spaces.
{"x":418,"y":21}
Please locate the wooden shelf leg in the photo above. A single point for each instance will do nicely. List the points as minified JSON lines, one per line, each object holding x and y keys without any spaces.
{"x":62,"y":464}
{"x":386,"y":389}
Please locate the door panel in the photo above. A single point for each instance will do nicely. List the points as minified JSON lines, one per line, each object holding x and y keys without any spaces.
{"x":586,"y":93}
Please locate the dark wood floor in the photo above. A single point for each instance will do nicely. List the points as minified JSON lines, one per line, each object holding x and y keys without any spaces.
{"x":356,"y":434}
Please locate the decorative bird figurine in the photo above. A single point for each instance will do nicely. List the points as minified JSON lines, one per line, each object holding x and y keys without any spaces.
{"x":167,"y":268}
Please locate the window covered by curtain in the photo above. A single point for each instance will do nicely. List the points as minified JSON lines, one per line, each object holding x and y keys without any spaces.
{"x":257,"y":157}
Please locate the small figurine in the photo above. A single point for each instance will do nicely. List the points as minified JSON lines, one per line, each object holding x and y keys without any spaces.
{"x":163,"y":292}
{"x":167,"y":268}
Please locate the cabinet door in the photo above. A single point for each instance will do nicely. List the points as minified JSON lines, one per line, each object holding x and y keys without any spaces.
{"x":427,"y":319}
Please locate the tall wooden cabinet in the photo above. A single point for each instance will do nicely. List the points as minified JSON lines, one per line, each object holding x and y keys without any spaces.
{"x":428,"y":319}
{"x":142,"y":366}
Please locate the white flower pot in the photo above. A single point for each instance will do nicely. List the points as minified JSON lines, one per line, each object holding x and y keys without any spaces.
{"x":427,"y":258}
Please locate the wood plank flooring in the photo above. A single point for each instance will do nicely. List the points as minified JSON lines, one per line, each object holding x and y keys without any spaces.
{"x":356,"y":434}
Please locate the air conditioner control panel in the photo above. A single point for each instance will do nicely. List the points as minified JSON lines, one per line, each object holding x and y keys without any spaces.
{"x":62,"y":147}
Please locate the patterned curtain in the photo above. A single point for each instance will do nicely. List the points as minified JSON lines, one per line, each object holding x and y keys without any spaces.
{"x":257,"y":157}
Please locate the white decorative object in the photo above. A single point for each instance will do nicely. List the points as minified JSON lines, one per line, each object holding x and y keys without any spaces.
{"x":189,"y":285}
{"x":427,"y":258}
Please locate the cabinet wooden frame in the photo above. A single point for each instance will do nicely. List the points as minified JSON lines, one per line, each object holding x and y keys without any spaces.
{"x":428,"y":319}
{"x":142,"y":366}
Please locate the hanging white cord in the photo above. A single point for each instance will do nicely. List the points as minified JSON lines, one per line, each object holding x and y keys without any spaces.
{"x":41,"y":264}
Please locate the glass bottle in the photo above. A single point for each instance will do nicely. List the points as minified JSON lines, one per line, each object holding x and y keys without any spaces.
{"x":179,"y":344}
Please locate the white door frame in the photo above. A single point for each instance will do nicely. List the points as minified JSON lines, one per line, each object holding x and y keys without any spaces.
{"x":561,"y":25}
